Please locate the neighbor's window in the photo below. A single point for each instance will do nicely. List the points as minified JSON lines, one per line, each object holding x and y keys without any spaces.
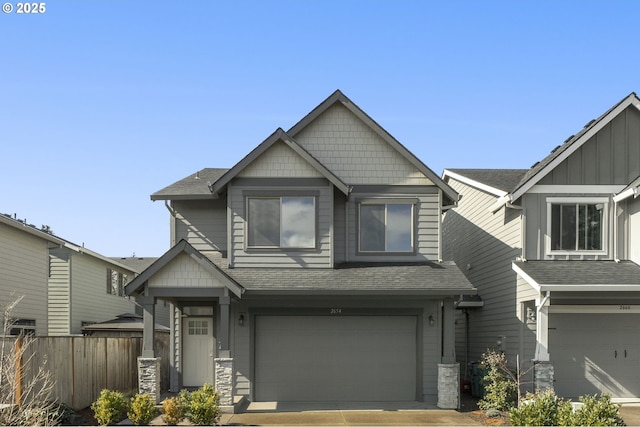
{"x":116,"y":282}
{"x":386,"y":227}
{"x":285,"y":222}
{"x":577,"y":226}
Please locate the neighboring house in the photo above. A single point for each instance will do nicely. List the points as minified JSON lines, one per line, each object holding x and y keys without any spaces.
{"x":311,"y":270}
{"x":63,"y":286}
{"x":554,"y":253}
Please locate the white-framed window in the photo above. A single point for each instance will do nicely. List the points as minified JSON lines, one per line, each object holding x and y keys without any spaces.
{"x":281,"y":222}
{"x":577,"y":224}
{"x":386,"y":227}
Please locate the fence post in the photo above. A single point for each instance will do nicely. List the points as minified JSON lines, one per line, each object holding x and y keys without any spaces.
{"x":18,"y":356}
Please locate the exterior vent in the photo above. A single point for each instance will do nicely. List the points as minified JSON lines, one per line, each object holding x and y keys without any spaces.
{"x":535,"y":164}
{"x":590,"y":123}
{"x":556,"y":149}
{"x":568,"y":139}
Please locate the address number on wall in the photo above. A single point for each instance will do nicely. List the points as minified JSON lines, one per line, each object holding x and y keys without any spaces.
{"x":335,"y":311}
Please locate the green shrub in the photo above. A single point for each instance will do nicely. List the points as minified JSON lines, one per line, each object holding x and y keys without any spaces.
{"x":142,"y":409}
{"x":174,"y":410}
{"x":501,"y":390}
{"x":540,"y":409}
{"x":203,"y":405}
{"x":109,"y":408}
{"x":596,"y":411}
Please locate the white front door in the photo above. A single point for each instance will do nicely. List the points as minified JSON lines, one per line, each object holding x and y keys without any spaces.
{"x":198,"y":351}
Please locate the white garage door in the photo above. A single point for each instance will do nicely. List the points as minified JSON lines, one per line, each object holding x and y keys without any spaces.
{"x":595,"y":353}
{"x":342,"y":358}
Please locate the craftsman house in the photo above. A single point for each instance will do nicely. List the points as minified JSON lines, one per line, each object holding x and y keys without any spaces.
{"x":554,"y":252}
{"x":310,"y":271}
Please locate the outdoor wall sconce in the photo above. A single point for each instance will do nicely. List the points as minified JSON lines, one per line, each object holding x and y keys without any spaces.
{"x":241,"y":320}
{"x":432,"y":321}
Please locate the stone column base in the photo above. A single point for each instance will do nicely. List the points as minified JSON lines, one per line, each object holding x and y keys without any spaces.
{"x":224,"y":383}
{"x":448,"y":385}
{"x":149,"y":377}
{"x":542,"y":376}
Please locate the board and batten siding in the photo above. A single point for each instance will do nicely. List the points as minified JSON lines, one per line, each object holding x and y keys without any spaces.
{"x":611,"y":156}
{"x":24,"y":271}
{"x":241,"y":256}
{"x":59,"y":300}
{"x":484,"y":245}
{"x":354,"y":152}
{"x":633,"y":230}
{"x":202,"y":223}
{"x":89,"y":299}
{"x":426,"y":233}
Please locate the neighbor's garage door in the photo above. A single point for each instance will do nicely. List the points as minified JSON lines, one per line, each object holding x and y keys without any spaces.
{"x":595,"y":353}
{"x":345,"y":358}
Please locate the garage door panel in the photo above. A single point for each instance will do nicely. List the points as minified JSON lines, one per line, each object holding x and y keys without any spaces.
{"x":316,"y":358}
{"x":595,"y":353}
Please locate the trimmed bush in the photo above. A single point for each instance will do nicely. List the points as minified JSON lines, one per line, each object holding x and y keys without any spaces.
{"x":142,"y":409}
{"x":109,"y":408}
{"x":596,"y":411}
{"x":203,"y":406}
{"x":501,"y":390}
{"x":174,"y":410}
{"x":541,"y":409}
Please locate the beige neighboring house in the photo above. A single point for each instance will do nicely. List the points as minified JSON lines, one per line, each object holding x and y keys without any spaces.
{"x":63,"y":286}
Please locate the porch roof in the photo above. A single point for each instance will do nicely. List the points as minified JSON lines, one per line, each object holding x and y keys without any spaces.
{"x":425,"y":278}
{"x":580,"y":275}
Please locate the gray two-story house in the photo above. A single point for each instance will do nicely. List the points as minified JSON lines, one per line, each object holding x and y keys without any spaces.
{"x":311,"y":270}
{"x":553,"y":251}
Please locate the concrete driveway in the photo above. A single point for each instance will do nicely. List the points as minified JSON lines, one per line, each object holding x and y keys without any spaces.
{"x":347,"y":414}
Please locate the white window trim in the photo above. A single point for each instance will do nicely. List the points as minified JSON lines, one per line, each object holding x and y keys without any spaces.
{"x":578,"y":200}
{"x":387,"y":202}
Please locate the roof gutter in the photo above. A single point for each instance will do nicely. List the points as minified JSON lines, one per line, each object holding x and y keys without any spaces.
{"x":633,"y":191}
{"x":502,"y":201}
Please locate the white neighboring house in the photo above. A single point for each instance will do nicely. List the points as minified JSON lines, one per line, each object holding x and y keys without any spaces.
{"x":63,"y":286}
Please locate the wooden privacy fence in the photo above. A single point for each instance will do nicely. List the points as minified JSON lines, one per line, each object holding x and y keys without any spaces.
{"x":82,"y":366}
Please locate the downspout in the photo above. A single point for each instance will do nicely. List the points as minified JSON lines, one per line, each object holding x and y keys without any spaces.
{"x":346,"y":230}
{"x":615,"y":231}
{"x":173,"y":215}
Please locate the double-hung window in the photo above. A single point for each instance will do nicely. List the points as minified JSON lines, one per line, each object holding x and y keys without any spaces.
{"x":577,"y":225}
{"x":281,"y":222}
{"x":386,"y":227}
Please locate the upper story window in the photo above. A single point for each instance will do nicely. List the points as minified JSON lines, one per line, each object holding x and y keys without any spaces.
{"x":386,"y":227}
{"x":281,"y":222}
{"x":116,"y":282}
{"x":577,"y":225}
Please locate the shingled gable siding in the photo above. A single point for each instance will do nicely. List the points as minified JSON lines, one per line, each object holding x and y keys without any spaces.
{"x":279,"y":161}
{"x":612,"y":156}
{"x":484,"y":245}
{"x":203,"y":223}
{"x":59,"y":298}
{"x":354,"y":152}
{"x":24,"y":267}
{"x":321,"y":257}
{"x":184,"y":272}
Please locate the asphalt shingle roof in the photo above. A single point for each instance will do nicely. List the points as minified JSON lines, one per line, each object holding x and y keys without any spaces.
{"x":580,"y":273}
{"x":502,"y":179}
{"x":194,"y":186}
{"x":426,"y":278}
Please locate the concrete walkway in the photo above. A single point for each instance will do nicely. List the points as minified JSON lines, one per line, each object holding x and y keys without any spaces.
{"x":347,"y":414}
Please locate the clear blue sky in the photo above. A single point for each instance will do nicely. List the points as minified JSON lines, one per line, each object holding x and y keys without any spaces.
{"x":104,"y":102}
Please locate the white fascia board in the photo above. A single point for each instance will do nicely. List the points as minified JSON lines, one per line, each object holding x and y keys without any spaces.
{"x":633,"y":191}
{"x":535,"y":285}
{"x":631,"y":100}
{"x":595,"y":309}
{"x":576,"y":189}
{"x":500,"y":203}
{"x":473,"y":183}
{"x":589,"y":288}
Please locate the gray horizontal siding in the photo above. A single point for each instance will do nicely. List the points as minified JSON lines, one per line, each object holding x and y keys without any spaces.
{"x":203,"y":223}
{"x":59,"y":301}
{"x":484,"y":245}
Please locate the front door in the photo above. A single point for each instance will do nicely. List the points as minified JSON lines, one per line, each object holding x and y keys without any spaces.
{"x":198,"y":351}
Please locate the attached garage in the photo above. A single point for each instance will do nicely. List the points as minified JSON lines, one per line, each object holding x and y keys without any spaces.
{"x":595,"y":353}
{"x":336,"y":358}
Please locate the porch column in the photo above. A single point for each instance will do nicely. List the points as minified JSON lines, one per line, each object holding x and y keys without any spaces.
{"x":148,"y":363}
{"x":223,"y":368}
{"x":542,"y":329}
{"x":448,"y":369}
